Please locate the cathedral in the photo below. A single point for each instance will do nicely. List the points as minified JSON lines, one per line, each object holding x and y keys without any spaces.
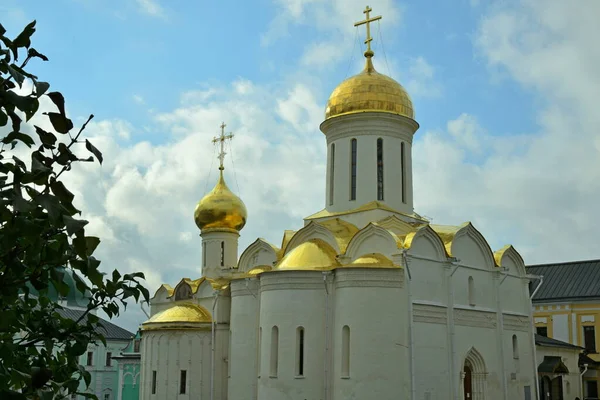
{"x":366,"y":300}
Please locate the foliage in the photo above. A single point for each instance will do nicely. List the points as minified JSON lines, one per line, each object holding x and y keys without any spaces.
{"x":41,"y":235}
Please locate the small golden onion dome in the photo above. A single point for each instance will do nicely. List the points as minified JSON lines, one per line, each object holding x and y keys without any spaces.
{"x":372,"y":260}
{"x":369,"y":91}
{"x":313,"y":255}
{"x":187,"y":313}
{"x":220,"y":209}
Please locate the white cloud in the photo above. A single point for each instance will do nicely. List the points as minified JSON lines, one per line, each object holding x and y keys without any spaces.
{"x":138,"y":99}
{"x":422,"y":82}
{"x":151,"y":7}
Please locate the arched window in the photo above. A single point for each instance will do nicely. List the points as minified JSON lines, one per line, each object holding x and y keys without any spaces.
{"x":380,"y":169}
{"x":300,"y":351}
{"x":471,"y":291}
{"x":183,"y":292}
{"x":403,"y":171}
{"x":222,"y":254}
{"x":331,"y":173}
{"x":353,"y":162}
{"x":274,"y":352}
{"x":515,"y":345}
{"x":345,"y":351}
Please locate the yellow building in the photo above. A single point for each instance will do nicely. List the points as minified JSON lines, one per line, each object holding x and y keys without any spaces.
{"x":566,"y":306}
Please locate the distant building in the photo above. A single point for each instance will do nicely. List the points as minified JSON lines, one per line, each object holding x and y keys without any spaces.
{"x":558,"y":369}
{"x":129,"y":370}
{"x":98,"y":359}
{"x":567,"y":308}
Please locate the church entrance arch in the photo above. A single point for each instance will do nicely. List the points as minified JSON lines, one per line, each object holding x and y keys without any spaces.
{"x":473,"y":376}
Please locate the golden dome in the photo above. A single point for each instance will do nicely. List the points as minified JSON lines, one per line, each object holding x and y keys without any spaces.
{"x":180,"y":314}
{"x":369,"y":91}
{"x":372,"y":260}
{"x":220,"y":209}
{"x":313,"y":255}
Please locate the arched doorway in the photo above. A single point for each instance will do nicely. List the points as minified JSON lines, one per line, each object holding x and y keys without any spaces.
{"x":474,"y":376}
{"x":468,"y":381}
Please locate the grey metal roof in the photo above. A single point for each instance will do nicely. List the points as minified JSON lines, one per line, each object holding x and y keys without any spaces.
{"x":108,"y":329}
{"x":549,"y":342}
{"x":576,"y":280}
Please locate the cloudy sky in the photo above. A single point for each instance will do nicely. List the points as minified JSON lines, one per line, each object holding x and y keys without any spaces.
{"x":505,"y":92}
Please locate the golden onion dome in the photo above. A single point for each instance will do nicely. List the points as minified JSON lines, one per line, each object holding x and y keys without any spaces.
{"x":185,"y":314}
{"x":220,"y":209}
{"x":312,"y":255}
{"x":369,"y":91}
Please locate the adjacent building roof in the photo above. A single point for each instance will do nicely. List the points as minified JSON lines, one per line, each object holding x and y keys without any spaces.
{"x":108,"y":329}
{"x":572,"y":281}
{"x":549,"y":342}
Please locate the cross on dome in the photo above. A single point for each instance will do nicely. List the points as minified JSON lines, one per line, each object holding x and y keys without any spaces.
{"x":367,"y":21}
{"x":221,"y":139}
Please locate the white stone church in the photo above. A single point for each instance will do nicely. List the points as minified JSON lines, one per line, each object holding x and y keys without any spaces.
{"x":367,"y":301}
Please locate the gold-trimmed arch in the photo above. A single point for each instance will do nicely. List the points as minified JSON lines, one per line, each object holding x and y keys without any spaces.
{"x":426,"y":233}
{"x":509,"y":252}
{"x":449,"y":235}
{"x":166,"y":288}
{"x":313,"y":230}
{"x":249,"y":257}
{"x":389,"y":242}
{"x":343,"y":231}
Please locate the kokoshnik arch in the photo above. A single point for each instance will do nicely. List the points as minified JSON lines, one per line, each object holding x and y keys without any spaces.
{"x":367,"y":300}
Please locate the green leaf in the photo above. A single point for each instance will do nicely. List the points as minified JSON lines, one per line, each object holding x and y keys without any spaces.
{"x":41,"y":87}
{"x":16,"y":75}
{"x":58,"y":99}
{"x":3,"y":118}
{"x":60,"y":123}
{"x":93,"y":150}
{"x":18,"y":136}
{"x":34,"y":53}
{"x":61,"y":191}
{"x":91,"y":243}
{"x":73,"y":225}
{"x":24,"y":38}
{"x":47,"y":138}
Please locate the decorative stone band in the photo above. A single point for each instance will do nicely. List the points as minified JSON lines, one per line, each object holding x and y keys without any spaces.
{"x":358,"y":277}
{"x":477,"y":319}
{"x":429,"y":313}
{"x":516,"y":322}
{"x":305,"y":280}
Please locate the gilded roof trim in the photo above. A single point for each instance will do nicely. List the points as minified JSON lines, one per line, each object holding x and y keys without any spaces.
{"x":312,"y":255}
{"x":342,"y":231}
{"x":372,"y":205}
{"x":181,"y":313}
{"x":167,"y":287}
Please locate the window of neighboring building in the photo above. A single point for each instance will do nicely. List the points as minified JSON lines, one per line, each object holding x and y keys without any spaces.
{"x":345,"y":351}
{"x":108,"y":358}
{"x":182,"y":381}
{"x":380,"y":169}
{"x":353,"y":164}
{"x":106,"y":396}
{"x":153,"y":382}
{"x":274,"y":352}
{"x":589,"y":338}
{"x":136,"y":346}
{"x":331,"y":173}
{"x":90,"y":358}
{"x":591,"y":389}
{"x":542,"y":330}
{"x":300,"y":351}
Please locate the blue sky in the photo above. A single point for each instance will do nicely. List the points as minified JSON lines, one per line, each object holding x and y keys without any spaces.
{"x":505,"y":93}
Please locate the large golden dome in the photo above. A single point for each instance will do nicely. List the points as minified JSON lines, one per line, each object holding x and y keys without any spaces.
{"x":220,"y":209}
{"x":369,"y":91}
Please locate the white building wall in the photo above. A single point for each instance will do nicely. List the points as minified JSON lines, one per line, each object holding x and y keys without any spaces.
{"x":243,"y":353}
{"x":366,"y":128}
{"x":560,"y":327}
{"x":570,"y":357}
{"x":289,"y":300}
{"x":379,"y":341}
{"x":211,"y":244}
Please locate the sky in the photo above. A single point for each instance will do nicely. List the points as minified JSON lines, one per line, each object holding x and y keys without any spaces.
{"x":505,"y":93}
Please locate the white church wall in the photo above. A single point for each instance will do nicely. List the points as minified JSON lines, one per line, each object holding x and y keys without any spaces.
{"x":168,"y":353}
{"x":258,"y":253}
{"x":373,"y":304}
{"x":243,"y":352}
{"x":290,"y":300}
{"x":372,"y":239}
{"x":512,"y":296}
{"x":427,"y":281}
{"x":474,"y":288}
{"x":518,"y":357}
{"x":219,"y":252}
{"x":472,"y":250}
{"x":366,"y":128}
{"x":432,"y":373}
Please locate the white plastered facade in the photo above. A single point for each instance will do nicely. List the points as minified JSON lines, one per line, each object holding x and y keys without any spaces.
{"x":444,"y":317}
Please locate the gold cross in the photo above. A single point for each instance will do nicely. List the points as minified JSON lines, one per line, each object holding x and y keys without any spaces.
{"x":367,"y":21}
{"x":222,"y":139}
